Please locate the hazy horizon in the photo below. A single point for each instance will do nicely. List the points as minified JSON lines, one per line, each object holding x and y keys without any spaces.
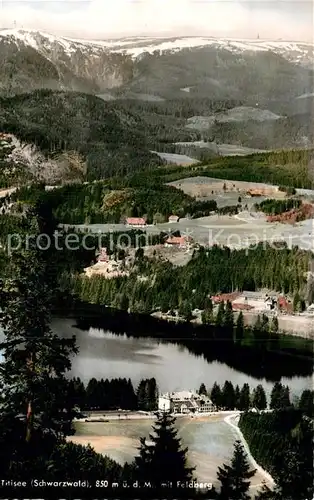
{"x":105,"y":19}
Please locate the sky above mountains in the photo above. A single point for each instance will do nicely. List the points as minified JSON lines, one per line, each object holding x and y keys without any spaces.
{"x":96,"y":19}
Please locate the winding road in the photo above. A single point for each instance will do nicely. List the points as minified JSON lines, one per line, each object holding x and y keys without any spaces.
{"x":230,"y":420}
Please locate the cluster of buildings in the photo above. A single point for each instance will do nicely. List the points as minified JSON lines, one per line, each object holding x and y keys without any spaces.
{"x":182,"y":242}
{"x":255,"y":301}
{"x":107,"y":266}
{"x":185,"y":402}
{"x":139,"y":222}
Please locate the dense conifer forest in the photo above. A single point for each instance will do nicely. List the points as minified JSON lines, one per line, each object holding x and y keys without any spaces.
{"x":113,"y":394}
{"x":282,"y":443}
{"x":210,"y":271}
{"x":275,"y":207}
{"x":120,"y":394}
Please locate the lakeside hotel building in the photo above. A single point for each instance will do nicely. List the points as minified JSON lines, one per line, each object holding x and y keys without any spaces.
{"x":185,"y":402}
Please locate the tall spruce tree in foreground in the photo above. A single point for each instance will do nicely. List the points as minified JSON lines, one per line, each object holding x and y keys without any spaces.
{"x":34,"y":415}
{"x":163,"y":460}
{"x":234,"y":478}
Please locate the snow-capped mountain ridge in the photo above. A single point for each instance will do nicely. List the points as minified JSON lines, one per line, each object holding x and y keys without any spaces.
{"x":284,"y":48}
{"x":42,"y":60}
{"x":297,"y":52}
{"x":244,"y":70}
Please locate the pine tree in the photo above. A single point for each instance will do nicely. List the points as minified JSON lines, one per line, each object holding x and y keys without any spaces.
{"x":259,"y":398}
{"x":297,"y":302}
{"x":234,"y":478}
{"x":220,"y":314}
{"x":185,"y":310}
{"x":216,"y":395}
{"x":274,"y":326}
{"x":124,"y":302}
{"x":164,"y":460}
{"x":264,"y":323}
{"x":152,"y":394}
{"x":202,"y":389}
{"x":258,"y":324}
{"x":244,"y":402}
{"x":207,"y":316}
{"x":237,"y":396}
{"x":306,"y":403}
{"x":92,"y":399}
{"x":285,"y":397}
{"x":77,"y":393}
{"x":276,"y":396}
{"x":228,"y":396}
{"x":208,"y":304}
{"x":228,"y":316}
{"x":239,"y":331}
{"x":142,"y":462}
{"x":33,"y":410}
{"x":142,"y":396}
{"x":280,"y":397}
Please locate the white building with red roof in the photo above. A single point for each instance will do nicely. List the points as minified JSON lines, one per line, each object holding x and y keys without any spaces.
{"x":135,"y":221}
{"x":178,"y":241}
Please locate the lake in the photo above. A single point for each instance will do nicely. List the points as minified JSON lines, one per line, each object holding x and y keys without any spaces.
{"x":103,"y":354}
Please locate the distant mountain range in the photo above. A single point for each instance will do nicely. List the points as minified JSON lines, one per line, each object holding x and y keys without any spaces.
{"x":157,"y":68}
{"x":171,"y":95}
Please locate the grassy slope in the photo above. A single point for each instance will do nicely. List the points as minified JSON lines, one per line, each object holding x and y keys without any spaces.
{"x":287,"y":168}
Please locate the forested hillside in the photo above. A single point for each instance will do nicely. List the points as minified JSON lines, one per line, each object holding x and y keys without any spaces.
{"x":210,"y":271}
{"x":281,"y":442}
{"x":116,"y":138}
{"x":112,"y":141}
{"x":168,"y":122}
{"x":102,"y":202}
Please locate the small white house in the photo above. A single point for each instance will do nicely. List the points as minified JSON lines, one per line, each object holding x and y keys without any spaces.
{"x":173,"y":218}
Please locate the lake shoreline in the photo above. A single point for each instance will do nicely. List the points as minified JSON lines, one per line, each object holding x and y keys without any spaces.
{"x":272,"y":358}
{"x":89,"y":310}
